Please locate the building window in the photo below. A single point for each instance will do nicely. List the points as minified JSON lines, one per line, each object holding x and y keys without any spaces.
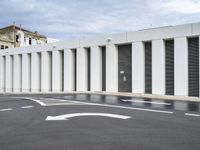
{"x":17,"y":38}
{"x":29,"y":41}
{"x":6,"y":47}
{"x":2,"y":46}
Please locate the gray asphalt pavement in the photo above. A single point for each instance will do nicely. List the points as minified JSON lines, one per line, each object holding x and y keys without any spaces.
{"x":153,"y":124}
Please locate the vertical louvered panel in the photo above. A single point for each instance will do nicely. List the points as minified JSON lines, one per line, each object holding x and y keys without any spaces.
{"x":169,"y":66}
{"x":193,"y":66}
{"x":148,"y":67}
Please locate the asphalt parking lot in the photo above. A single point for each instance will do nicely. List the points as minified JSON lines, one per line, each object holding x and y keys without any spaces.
{"x":98,"y":122}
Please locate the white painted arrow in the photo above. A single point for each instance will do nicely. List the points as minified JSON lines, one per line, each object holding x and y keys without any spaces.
{"x":67,"y":116}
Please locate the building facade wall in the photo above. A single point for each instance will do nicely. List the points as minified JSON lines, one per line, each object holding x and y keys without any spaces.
{"x":56,"y":67}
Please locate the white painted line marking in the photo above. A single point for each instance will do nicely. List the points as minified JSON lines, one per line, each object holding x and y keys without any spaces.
{"x":133,"y":108}
{"x":67,"y":116}
{"x":149,"y":102}
{"x":46,"y":102}
{"x":37,"y":101}
{"x":68,"y":104}
{"x":194,"y":115}
{"x":7,"y":109}
{"x":124,"y":107}
{"x":50,"y":99}
{"x":27,"y":107}
{"x":107,"y":105}
{"x":59,"y":100}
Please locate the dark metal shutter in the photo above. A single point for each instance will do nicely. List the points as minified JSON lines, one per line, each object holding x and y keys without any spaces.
{"x":148,"y":67}
{"x":125,"y":68}
{"x":193,"y":66}
{"x":169,"y":67}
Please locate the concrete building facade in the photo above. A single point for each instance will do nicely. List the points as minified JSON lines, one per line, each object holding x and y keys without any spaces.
{"x":13,"y":36}
{"x":163,"y":61}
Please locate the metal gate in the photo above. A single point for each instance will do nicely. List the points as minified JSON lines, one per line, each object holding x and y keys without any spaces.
{"x":193,"y":66}
{"x":125,"y":68}
{"x":148,"y":67}
{"x":169,"y":67}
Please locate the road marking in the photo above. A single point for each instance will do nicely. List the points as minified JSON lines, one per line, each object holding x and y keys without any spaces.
{"x":67,"y":116}
{"x":149,"y":102}
{"x":68,"y":104}
{"x":51,"y":99}
{"x":7,"y":109}
{"x":54,"y":102}
{"x":24,"y":107}
{"x":133,"y":108}
{"x":37,"y":101}
{"x":108,"y":105}
{"x":194,"y":115}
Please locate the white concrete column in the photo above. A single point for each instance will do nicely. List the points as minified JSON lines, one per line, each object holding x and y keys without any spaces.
{"x":158,"y":67}
{"x":82,"y":74}
{"x":69,"y":70}
{"x":35,"y":72}
{"x":56,"y":71}
{"x":26,"y":72}
{"x":96,"y":68}
{"x":45,"y":71}
{"x":9,"y":73}
{"x":111,"y":68}
{"x":2,"y":73}
{"x":138,"y":67}
{"x":17,"y":73}
{"x":181,"y":66}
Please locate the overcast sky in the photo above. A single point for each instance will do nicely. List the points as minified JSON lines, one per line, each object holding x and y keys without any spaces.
{"x":69,"y":19}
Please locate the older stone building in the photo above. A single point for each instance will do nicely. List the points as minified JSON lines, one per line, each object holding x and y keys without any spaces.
{"x":14,"y":36}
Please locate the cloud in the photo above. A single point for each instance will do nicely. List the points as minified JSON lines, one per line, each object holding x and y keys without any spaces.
{"x":68,"y":19}
{"x":183,"y":6}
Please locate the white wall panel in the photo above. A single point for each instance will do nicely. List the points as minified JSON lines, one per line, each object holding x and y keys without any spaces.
{"x":9,"y":73}
{"x":181,"y":66}
{"x":96,"y":68}
{"x":138,"y":71}
{"x":56,"y":71}
{"x":158,"y":67}
{"x":69,"y":70}
{"x":111,"y":68}
{"x":82,"y":74}
{"x":35,"y":72}
{"x":26,"y":72}
{"x":2,"y":73}
{"x":17,"y":71}
{"x":46,"y":71}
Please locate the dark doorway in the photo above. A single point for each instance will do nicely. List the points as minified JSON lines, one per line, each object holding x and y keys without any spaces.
{"x":169,"y":67}
{"x":193,"y":66}
{"x":125,"y":68}
{"x":148,"y":67}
